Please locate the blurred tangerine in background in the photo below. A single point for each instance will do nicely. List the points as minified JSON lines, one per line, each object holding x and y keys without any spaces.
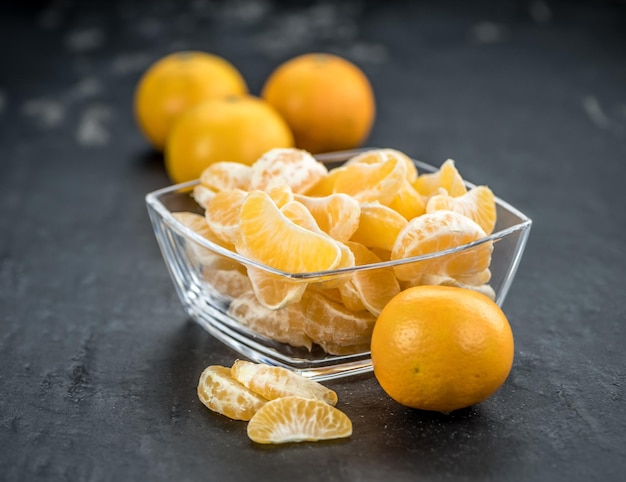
{"x":234,"y":129}
{"x":327,"y":101}
{"x":178,"y":82}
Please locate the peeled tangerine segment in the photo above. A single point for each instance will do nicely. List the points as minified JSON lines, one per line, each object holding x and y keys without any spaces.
{"x":478,"y":203}
{"x":220,"y":392}
{"x":374,"y":288}
{"x":375,"y":156}
{"x":379,"y":226}
{"x":331,"y":325}
{"x":297,"y":419}
{"x":226,"y":175}
{"x":439,"y":231}
{"x":222,"y":214}
{"x":294,"y":167}
{"x":447,"y":177}
{"x":371,"y":182}
{"x":285,"y":325}
{"x":275,"y":382}
{"x":268,"y":236}
{"x":335,"y":214}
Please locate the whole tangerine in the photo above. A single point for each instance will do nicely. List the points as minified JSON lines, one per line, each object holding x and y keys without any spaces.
{"x":441,"y":348}
{"x":178,"y":82}
{"x":327,"y":101}
{"x":233,"y":129}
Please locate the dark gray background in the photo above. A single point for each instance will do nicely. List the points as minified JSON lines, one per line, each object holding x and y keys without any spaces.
{"x":99,"y":363}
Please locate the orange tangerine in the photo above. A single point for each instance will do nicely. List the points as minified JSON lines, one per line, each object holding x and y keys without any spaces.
{"x":225,"y":175}
{"x":336,"y":214}
{"x":371,"y":182}
{"x":446,"y":177}
{"x":273,"y":382}
{"x":436,"y":280}
{"x":379,"y":226}
{"x":268,"y":236}
{"x":438,"y":231}
{"x":297,"y":419}
{"x":292,"y":167}
{"x":327,"y":101}
{"x":441,"y":348}
{"x":478,"y":204}
{"x":221,"y":393}
{"x":285,"y":325}
{"x":235,"y":129}
{"x":222,"y":214}
{"x":178,"y":82}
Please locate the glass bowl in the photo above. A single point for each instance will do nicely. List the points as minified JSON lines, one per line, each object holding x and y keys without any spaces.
{"x":210,"y":282}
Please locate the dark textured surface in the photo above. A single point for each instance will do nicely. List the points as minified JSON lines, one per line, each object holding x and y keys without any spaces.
{"x":99,"y":363}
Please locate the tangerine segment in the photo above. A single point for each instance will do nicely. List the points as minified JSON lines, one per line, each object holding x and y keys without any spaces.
{"x":379,"y":226}
{"x":220,"y":392}
{"x":447,"y":177}
{"x":478,"y":204}
{"x":198,"y":254}
{"x":408,"y":202}
{"x":273,"y":382}
{"x":371,"y":182}
{"x":268,"y":236}
{"x":326,"y":185}
{"x":297,"y":419}
{"x":336,"y":214}
{"x":273,"y":291}
{"x":375,"y":287}
{"x":202,"y":195}
{"x":330,"y":322}
{"x":222,"y":214}
{"x":438,"y":231}
{"x":225,"y":175}
{"x":227,"y":279}
{"x":374,"y":156}
{"x":294,"y":167}
{"x":285,"y":325}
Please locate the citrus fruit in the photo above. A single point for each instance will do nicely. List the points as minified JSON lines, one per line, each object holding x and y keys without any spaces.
{"x":220,"y":392}
{"x":478,"y":204}
{"x":327,"y":101}
{"x":331,"y":325}
{"x":297,"y":419}
{"x":335,"y":214}
{"x":371,"y":182}
{"x":222,"y":214}
{"x":441,"y":348}
{"x":226,"y":175}
{"x":439,"y":231}
{"x":268,"y":236}
{"x":374,"y":287}
{"x":379,"y":226}
{"x":285,"y":325}
{"x":177,"y":82}
{"x":291,"y":167}
{"x":446,"y":177}
{"x":275,"y":382}
{"x":232,"y":129}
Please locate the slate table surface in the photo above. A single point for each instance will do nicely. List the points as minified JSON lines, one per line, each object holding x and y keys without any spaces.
{"x":99,"y":362}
